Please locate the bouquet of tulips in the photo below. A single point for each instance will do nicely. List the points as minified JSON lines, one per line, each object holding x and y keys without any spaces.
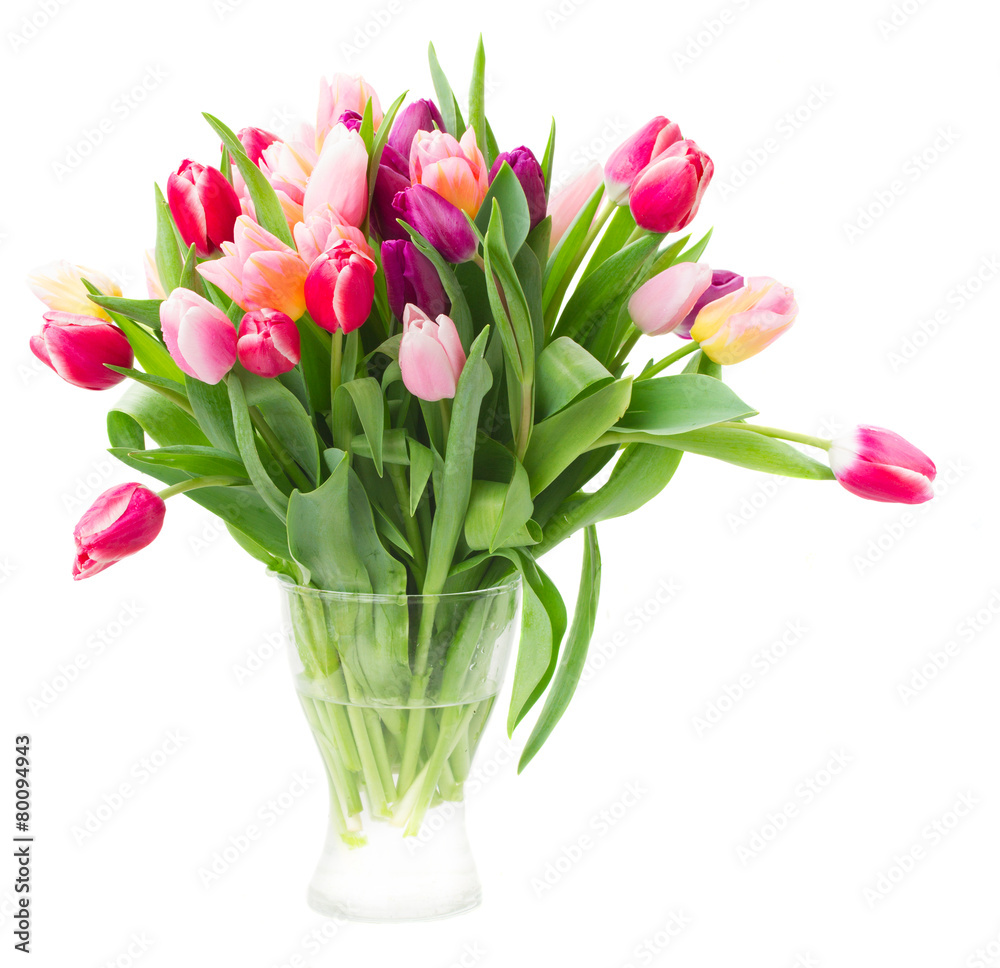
{"x":391,"y":359}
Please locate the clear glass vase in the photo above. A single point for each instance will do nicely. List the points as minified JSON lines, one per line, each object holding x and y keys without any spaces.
{"x":397,"y":691}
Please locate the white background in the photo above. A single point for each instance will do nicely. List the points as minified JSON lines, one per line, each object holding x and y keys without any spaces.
{"x":831,"y":111}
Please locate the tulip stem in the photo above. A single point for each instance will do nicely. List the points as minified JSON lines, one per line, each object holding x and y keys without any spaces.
{"x":445,"y":420}
{"x":668,"y":360}
{"x":193,"y":483}
{"x":821,"y":442}
{"x":336,"y":362}
{"x":295,"y":473}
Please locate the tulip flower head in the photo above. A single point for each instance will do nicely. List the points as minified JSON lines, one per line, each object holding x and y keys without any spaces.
{"x":664,"y":196}
{"x":635,"y":153}
{"x":660,"y":304}
{"x":343,"y":92}
{"x":530,"y":176}
{"x":410,"y":277}
{"x":204,"y":206}
{"x":438,"y":221}
{"x":200,"y":337}
{"x":723,"y":282}
{"x":879,"y":465}
{"x":742,"y":323}
{"x":254,"y":141}
{"x":122,"y":521}
{"x":431,"y":356}
{"x":419,"y":116}
{"x":323,"y":229}
{"x":60,"y":286}
{"x":393,"y":177}
{"x":565,"y":205}
{"x":78,"y":347}
{"x":267,"y":343}
{"x":456,"y":170}
{"x":340,"y":287}
{"x":288,"y":166}
{"x":340,"y":177}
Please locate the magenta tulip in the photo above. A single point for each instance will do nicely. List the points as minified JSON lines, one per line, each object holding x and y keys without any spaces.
{"x":879,"y":465}
{"x":122,"y":521}
{"x":659,"y":305}
{"x":78,"y":347}
{"x":430,"y":355}
{"x":529,"y":173}
{"x":392,"y":178}
{"x":635,"y":153}
{"x":665,"y":196}
{"x":410,"y":277}
{"x":204,"y":206}
{"x":437,"y":220}
{"x":340,"y":287}
{"x":254,"y":141}
{"x":267,"y":343}
{"x":419,"y":116}
{"x":200,"y":337}
{"x":723,"y":283}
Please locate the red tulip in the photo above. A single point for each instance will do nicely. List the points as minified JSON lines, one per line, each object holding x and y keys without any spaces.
{"x":340,"y":287}
{"x":204,"y":206}
{"x":879,"y":465}
{"x":635,"y":153}
{"x":78,"y":347}
{"x":665,"y":196}
{"x":122,"y":521}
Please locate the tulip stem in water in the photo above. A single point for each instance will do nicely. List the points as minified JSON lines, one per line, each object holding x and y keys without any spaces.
{"x":668,"y":360}
{"x":821,"y":442}
{"x":192,"y":484}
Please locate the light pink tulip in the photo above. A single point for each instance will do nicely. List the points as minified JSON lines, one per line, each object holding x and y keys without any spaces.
{"x":154,"y":287}
{"x":288,"y":165}
{"x":77,"y":347}
{"x":343,"y":92}
{"x":456,"y":170}
{"x":268,"y":343}
{"x":323,"y":229}
{"x":431,"y":356}
{"x":200,"y":337}
{"x":879,"y":465}
{"x":659,"y":305}
{"x":122,"y":521}
{"x":340,"y":177}
{"x":665,"y":195}
{"x":565,"y":205}
{"x":60,"y":286}
{"x":340,"y":287}
{"x":635,"y":153}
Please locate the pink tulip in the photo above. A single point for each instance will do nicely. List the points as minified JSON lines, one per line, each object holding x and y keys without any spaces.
{"x":258,"y":271}
{"x":343,"y":92}
{"x":204,"y":206}
{"x":659,"y":305}
{"x":340,"y":177}
{"x":199,"y":336}
{"x":565,"y":205}
{"x":254,"y":141}
{"x":321,"y":230}
{"x":288,"y":165}
{"x":456,"y":170}
{"x":742,"y":323}
{"x":635,"y":153}
{"x":122,"y":521}
{"x":723,"y":283}
{"x":340,"y":287}
{"x":60,"y":286}
{"x":154,"y":288}
{"x":665,"y":196}
{"x":880,"y":465}
{"x":268,"y":343}
{"x":78,"y":347}
{"x":430,"y":355}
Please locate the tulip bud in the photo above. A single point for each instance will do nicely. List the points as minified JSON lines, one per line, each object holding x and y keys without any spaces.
{"x":351,"y":120}
{"x":456,"y":170}
{"x":340,"y":287}
{"x":742,"y":323}
{"x":723,"y":283}
{"x":254,"y":141}
{"x":60,"y":286}
{"x":437,"y":220}
{"x":880,"y":465}
{"x":340,"y":177}
{"x":665,"y":196}
{"x":204,"y":206}
{"x":122,"y":521}
{"x":565,"y":205}
{"x":529,"y":173}
{"x":659,"y":305}
{"x":342,"y":93}
{"x":418,"y":116}
{"x":430,"y":355}
{"x":391,"y":179}
{"x":410,"y":277}
{"x":199,"y":336}
{"x":268,"y":343}
{"x":78,"y":347}
{"x":635,"y":153}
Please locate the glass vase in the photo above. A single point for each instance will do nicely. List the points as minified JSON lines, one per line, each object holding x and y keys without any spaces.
{"x":397,"y":691}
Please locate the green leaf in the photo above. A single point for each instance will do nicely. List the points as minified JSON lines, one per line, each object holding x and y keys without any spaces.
{"x":145,"y":311}
{"x":273,"y":497}
{"x":421,"y":465}
{"x":171,"y":389}
{"x":195,"y":460}
{"x":446,"y":99}
{"x":694,"y":253}
{"x":213,"y":411}
{"x":679,"y":403}
{"x":365,"y":398}
{"x":367,"y":129}
{"x":565,"y":371}
{"x":500,"y":506}
{"x":548,"y":157}
{"x":574,"y":653}
{"x":189,"y":278}
{"x":668,"y":256}
{"x":477,"y":101}
{"x":507,"y":190}
{"x":315,"y":363}
{"x":565,"y":251}
{"x":615,"y":236}
{"x":167,"y":254}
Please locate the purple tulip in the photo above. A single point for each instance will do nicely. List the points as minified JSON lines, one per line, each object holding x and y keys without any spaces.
{"x":411,"y":278}
{"x":723,"y":282}
{"x":437,"y":220}
{"x":392,"y":178}
{"x":351,"y":120}
{"x":529,"y":173}
{"x":418,"y":116}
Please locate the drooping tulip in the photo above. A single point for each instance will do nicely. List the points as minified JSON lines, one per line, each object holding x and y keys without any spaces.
{"x":565,"y":205}
{"x":723,"y":283}
{"x":410,"y":277}
{"x":438,"y":221}
{"x":78,"y":347}
{"x":340,"y":287}
{"x":258,"y":271}
{"x":529,"y":173}
{"x":456,"y":170}
{"x":321,"y":230}
{"x":204,"y":206}
{"x":431,"y":356}
{"x":744,"y":322}
{"x":635,"y":153}
{"x":343,"y":92}
{"x":421,"y":115}
{"x":122,"y":521}
{"x":659,"y":304}
{"x":665,"y":195}
{"x":340,"y":177}
{"x":60,"y":286}
{"x":879,"y":465}
{"x":267,"y":343}
{"x":200,"y":337}
{"x":392,"y":178}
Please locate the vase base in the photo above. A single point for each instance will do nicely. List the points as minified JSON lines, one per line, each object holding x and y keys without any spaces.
{"x":322,"y":905}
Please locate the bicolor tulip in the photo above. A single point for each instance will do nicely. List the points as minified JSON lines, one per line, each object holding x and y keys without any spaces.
{"x":723,"y":283}
{"x":204,"y":206}
{"x":456,"y":170}
{"x":438,"y":221}
{"x":78,"y":347}
{"x":393,"y":177}
{"x":879,"y":465}
{"x":122,"y":521}
{"x":665,"y":196}
{"x":343,"y":92}
{"x":431,"y":356}
{"x":340,"y":287}
{"x":254,"y":141}
{"x":288,"y":166}
{"x":258,"y":271}
{"x":742,"y":323}
{"x":660,"y":304}
{"x":529,"y":173}
{"x":200,"y":337}
{"x":60,"y":286}
{"x":635,"y":153}
{"x":267,"y":343}
{"x":340,"y":177}
{"x":410,"y":277}
{"x":419,"y":116}
{"x":321,"y":230}
{"x":565,"y":205}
